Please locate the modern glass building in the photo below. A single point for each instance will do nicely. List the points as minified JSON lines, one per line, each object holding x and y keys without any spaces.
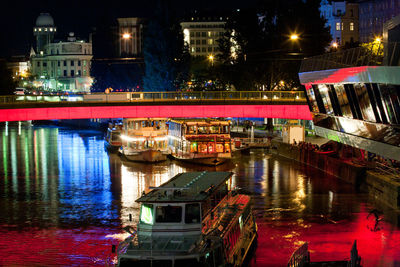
{"x":354,"y":96}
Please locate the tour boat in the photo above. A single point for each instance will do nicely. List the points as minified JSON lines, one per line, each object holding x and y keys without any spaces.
{"x":201,"y":141}
{"x":113,"y":137}
{"x":145,"y":140}
{"x":194,"y":219}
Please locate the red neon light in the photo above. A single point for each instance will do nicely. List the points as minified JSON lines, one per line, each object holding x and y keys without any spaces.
{"x":187,"y":111}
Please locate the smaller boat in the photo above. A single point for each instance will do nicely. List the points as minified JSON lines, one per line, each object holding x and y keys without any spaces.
{"x":194,"y":219}
{"x":113,"y":136}
{"x":200,"y":141}
{"x":145,"y":140}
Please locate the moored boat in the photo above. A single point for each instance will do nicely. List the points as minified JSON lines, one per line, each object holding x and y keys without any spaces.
{"x":145,"y":140}
{"x":194,"y":219}
{"x":200,"y":141}
{"x":113,"y":137}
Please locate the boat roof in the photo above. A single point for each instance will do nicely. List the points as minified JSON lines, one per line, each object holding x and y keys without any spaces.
{"x":201,"y":121}
{"x":187,"y":187}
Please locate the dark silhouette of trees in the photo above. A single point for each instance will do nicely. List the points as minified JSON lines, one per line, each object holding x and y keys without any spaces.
{"x":266,"y":55}
{"x":165,"y":55}
{"x":7,"y":84}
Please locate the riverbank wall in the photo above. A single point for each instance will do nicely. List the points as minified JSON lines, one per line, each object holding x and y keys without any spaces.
{"x":381,"y":187}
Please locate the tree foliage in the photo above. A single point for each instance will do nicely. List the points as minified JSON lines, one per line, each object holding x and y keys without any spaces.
{"x":165,"y":55}
{"x":265,"y":54}
{"x":7,"y":84}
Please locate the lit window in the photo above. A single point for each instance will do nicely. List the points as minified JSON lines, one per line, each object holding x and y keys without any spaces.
{"x":351,"y":26}
{"x":51,"y":29}
{"x":45,"y":29}
{"x":209,"y":34}
{"x":40,"y":29}
{"x":146,"y":214}
{"x":210,"y":41}
{"x":338,"y":26}
{"x":35,"y":29}
{"x":342,"y":26}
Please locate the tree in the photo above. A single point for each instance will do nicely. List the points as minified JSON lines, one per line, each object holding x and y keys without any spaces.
{"x":7,"y":84}
{"x":165,"y":55}
{"x":266,"y":55}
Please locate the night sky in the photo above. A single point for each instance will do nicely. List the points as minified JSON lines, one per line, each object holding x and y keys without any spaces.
{"x":17,"y":17}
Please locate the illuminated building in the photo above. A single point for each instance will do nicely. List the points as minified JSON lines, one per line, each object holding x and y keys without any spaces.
{"x":201,"y":34}
{"x":342,"y":18}
{"x":63,"y":65}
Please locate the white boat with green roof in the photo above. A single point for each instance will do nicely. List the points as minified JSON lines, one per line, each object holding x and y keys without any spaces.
{"x":194,"y":219}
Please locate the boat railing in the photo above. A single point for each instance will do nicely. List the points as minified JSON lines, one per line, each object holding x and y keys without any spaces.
{"x":300,"y":257}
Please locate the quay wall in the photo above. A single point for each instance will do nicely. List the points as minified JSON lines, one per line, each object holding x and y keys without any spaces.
{"x":382,"y":188}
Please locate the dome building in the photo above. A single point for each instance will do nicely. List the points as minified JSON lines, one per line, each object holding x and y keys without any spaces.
{"x":44,"y":31}
{"x":62,"y":65}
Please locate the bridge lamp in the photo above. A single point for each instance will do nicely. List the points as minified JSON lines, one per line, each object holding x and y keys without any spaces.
{"x":335,"y":45}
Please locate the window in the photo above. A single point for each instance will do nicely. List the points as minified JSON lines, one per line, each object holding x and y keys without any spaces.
{"x":192,"y":213}
{"x":203,"y":49}
{"x":343,"y":101}
{"x":364,"y":102}
{"x":191,"y":34}
{"x":209,"y":34}
{"x":209,"y":49}
{"x":38,"y":63}
{"x":65,"y":73}
{"x":203,"y":42}
{"x":197,"y":42}
{"x":338,"y":26}
{"x":79,"y":63}
{"x":72,"y":73}
{"x":210,"y":41}
{"x":58,"y":63}
{"x":342,"y":26}
{"x":216,"y":49}
{"x":168,"y":214}
{"x":351,"y":26}
{"x":146,"y":213}
{"x":72,"y":63}
{"x":197,"y":49}
{"x":203,"y":34}
{"x":323,"y":90}
{"x":65,"y":63}
{"x":192,"y":42}
{"x":44,"y":64}
{"x":79,"y":72}
{"x":197,"y":34}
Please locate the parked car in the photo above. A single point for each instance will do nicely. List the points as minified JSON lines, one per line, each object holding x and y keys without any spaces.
{"x":20,"y":91}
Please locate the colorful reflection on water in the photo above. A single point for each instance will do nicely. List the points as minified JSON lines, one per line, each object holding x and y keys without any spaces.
{"x":64,"y":201}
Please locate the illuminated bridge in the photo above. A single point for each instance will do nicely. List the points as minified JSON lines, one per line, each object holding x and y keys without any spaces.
{"x":251,"y":104}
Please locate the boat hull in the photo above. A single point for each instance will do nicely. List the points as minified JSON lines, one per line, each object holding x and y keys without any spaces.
{"x":207,"y":161}
{"x":150,"y":156}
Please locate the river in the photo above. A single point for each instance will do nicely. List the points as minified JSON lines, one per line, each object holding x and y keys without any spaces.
{"x":64,"y":201}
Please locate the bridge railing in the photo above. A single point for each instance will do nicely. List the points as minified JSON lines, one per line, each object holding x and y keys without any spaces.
{"x":158,"y":96}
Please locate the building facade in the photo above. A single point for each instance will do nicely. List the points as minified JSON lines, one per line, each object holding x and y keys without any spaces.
{"x":373,"y":15}
{"x":63,"y":65}
{"x":342,"y":18}
{"x":201,"y":35}
{"x":130,"y":37}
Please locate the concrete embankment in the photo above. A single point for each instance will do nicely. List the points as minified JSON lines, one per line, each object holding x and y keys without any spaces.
{"x":382,"y":188}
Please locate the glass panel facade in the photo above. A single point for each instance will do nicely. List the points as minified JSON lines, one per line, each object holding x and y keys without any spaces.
{"x":364,"y":102}
{"x":391,"y":101}
{"x":324,"y":92}
{"x":343,"y":101}
{"x":313,"y":101}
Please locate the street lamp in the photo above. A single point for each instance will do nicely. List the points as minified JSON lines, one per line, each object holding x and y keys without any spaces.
{"x":294,"y":37}
{"x":211,"y":59}
{"x":335,"y":45}
{"x":126,"y":36}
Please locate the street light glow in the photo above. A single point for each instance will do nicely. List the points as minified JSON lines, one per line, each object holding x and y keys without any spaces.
{"x":126,"y":36}
{"x":294,"y":37}
{"x":335,"y":45}
{"x":378,"y":39}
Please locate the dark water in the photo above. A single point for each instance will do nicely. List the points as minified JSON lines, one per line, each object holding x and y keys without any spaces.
{"x":64,"y":200}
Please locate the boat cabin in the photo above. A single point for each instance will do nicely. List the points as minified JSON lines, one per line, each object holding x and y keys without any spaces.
{"x":180,"y":205}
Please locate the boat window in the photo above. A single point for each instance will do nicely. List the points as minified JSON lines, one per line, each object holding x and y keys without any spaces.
{"x":192,"y":213}
{"x":146,"y":213}
{"x":193,"y":147}
{"x":202,"y":130}
{"x":202,"y":147}
{"x":168,"y":214}
{"x":116,"y":136}
{"x":219,"y":148}
{"x":227,"y":148}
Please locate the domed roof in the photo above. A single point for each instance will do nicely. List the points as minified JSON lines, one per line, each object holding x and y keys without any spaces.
{"x":44,"y":20}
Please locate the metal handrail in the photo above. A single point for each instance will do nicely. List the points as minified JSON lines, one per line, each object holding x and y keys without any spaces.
{"x":267,"y":96}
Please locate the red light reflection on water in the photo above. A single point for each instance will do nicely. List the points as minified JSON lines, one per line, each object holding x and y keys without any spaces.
{"x":328,"y":240}
{"x":61,"y":247}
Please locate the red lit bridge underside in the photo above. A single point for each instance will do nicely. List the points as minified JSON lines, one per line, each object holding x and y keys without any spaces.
{"x":299,"y":111}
